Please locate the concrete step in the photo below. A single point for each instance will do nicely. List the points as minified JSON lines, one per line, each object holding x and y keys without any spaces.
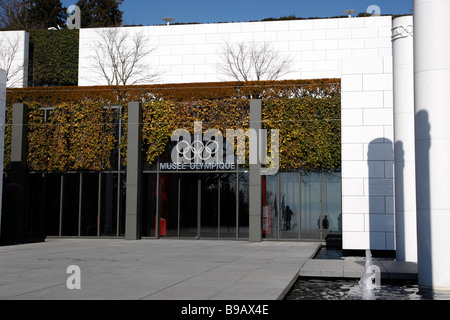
{"x":348,"y":268}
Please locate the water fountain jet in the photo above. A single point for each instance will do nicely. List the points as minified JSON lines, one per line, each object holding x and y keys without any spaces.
{"x":366,"y":282}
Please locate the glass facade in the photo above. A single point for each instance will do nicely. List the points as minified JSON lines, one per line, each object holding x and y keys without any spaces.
{"x":212,"y":205}
{"x":227,"y":206}
{"x":191,"y":205}
{"x":301,"y":205}
{"x":77,"y":204}
{"x":182,"y":203}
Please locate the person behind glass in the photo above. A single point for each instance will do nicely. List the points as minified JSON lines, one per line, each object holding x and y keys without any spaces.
{"x":288,"y":215}
{"x":325,"y":223}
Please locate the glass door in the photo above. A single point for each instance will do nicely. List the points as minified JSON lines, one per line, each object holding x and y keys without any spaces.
{"x":209,"y":200}
{"x":189,"y":205}
{"x":169,"y":205}
{"x":227,"y":206}
{"x":198,"y":205}
{"x":290,"y":205}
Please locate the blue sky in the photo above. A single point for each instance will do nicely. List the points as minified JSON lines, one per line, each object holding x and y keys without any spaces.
{"x":209,"y":11}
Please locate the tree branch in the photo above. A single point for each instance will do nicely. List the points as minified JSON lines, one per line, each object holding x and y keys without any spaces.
{"x":8,"y":53}
{"x":121,"y":61}
{"x":253,"y":61}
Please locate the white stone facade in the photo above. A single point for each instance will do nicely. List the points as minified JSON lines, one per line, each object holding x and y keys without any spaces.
{"x":367,"y":154}
{"x":14,"y":47}
{"x":191,"y":53}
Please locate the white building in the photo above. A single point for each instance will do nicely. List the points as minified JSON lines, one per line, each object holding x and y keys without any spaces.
{"x":383,"y":79}
{"x":356,"y":50}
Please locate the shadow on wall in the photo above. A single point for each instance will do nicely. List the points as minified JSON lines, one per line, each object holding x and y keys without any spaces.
{"x":400,"y":199}
{"x":423,"y":145}
{"x":380,"y":159}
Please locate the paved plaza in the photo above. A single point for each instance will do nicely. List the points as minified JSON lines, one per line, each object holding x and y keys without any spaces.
{"x":171,"y":269}
{"x":152,"y":269}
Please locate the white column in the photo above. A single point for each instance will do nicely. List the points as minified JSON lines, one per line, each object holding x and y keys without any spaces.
{"x":432,"y":134}
{"x":404,"y":142}
{"x":2,"y":132}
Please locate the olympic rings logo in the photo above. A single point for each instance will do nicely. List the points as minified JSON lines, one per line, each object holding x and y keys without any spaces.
{"x":209,"y":148}
{"x":197,"y":150}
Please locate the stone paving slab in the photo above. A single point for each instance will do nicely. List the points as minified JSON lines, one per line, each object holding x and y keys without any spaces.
{"x":152,"y":269}
{"x":400,"y":270}
{"x":355,"y":269}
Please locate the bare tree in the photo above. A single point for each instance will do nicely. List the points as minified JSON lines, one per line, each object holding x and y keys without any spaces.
{"x":8,"y":61}
{"x":253,"y":61}
{"x":13,"y":14}
{"x":121,"y":59}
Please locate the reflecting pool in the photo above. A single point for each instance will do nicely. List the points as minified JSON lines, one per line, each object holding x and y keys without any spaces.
{"x":307,"y":288}
{"x":348,"y":289}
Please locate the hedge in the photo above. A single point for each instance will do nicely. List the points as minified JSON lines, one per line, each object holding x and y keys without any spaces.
{"x":310,"y":131}
{"x":176,"y":92}
{"x":81,"y":135}
{"x":76,"y":137}
{"x":54,"y":57}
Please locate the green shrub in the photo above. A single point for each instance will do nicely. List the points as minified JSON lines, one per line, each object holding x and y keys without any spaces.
{"x":54,"y":57}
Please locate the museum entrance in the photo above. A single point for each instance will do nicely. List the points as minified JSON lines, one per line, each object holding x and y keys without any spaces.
{"x":215,"y":205}
{"x":199,"y":205}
